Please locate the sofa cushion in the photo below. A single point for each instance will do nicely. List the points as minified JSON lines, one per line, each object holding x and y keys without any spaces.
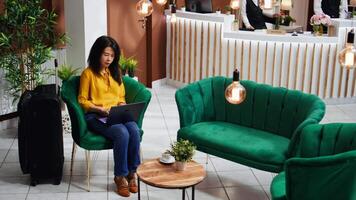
{"x":248,"y":145}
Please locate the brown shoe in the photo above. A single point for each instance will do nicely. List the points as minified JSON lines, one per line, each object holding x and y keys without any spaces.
{"x":132,"y":182}
{"x":122,"y":186}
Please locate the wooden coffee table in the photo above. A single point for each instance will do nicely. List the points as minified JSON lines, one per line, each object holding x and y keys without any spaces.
{"x":156,"y":174}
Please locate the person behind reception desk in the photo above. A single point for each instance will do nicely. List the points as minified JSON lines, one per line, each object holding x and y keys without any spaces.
{"x":333,"y":8}
{"x":253,"y":16}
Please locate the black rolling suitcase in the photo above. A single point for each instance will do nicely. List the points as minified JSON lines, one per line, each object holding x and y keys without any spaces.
{"x":40,"y":134}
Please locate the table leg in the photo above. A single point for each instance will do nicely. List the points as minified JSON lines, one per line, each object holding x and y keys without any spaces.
{"x":183,"y":193}
{"x":139,"y":189}
{"x":193,"y":192}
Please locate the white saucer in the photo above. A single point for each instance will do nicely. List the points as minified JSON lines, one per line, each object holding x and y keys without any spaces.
{"x":169,"y":161}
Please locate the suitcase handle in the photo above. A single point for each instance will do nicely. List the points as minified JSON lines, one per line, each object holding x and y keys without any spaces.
{"x":55,"y":73}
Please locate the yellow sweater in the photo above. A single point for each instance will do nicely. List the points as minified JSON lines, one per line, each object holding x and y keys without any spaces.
{"x":99,"y":90}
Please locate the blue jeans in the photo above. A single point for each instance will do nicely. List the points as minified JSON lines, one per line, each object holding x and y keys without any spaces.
{"x":126,"y":142}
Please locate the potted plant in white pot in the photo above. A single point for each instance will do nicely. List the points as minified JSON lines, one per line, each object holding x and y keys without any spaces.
{"x":123,"y":64}
{"x":182,"y":151}
{"x":131,"y":66}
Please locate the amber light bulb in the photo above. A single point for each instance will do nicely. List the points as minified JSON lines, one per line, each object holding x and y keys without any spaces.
{"x":286,"y":5}
{"x":235,"y":93}
{"x":235,"y":4}
{"x":161,"y":2}
{"x":144,"y":8}
{"x":347,"y":57}
{"x":267,"y":4}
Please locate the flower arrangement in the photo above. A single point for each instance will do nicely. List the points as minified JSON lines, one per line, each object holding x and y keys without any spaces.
{"x":318,"y":21}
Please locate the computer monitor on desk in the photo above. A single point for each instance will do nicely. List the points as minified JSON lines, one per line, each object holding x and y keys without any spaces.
{"x":199,"y":6}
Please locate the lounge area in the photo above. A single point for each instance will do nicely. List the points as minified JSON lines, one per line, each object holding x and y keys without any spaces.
{"x":270,"y":112}
{"x":225,"y":179}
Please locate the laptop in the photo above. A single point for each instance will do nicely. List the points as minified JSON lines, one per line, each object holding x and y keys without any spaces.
{"x":123,"y":113}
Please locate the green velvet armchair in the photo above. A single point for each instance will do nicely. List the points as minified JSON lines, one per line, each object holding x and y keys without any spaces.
{"x":262,"y":132}
{"x":135,"y":92}
{"x":325,"y":166}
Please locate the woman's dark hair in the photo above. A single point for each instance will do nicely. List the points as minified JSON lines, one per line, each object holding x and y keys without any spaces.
{"x":95,"y":55}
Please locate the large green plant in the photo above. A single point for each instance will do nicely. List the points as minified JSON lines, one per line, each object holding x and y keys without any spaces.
{"x":27,"y":37}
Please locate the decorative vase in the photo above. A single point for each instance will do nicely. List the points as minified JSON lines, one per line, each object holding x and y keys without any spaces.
{"x":180,"y":166}
{"x":235,"y":25}
{"x":317,"y":30}
{"x":276,"y":25}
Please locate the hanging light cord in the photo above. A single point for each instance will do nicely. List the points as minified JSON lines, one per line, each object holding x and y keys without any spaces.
{"x":353,"y":10}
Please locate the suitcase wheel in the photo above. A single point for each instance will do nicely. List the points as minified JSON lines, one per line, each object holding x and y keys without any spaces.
{"x":34,"y":182}
{"x":57,"y":181}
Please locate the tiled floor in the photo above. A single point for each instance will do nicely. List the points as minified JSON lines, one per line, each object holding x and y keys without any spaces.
{"x":225,"y":179}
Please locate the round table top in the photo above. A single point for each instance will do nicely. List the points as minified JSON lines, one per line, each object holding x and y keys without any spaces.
{"x":156,"y":174}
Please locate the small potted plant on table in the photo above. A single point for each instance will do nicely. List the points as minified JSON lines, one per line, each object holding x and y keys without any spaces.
{"x":182,"y":151}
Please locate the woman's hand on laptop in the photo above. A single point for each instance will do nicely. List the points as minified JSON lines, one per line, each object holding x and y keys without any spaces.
{"x":100,"y":110}
{"x":122,"y":103}
{"x":104,"y":111}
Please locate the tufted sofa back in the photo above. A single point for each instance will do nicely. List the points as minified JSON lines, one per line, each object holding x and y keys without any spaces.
{"x":327,"y":139}
{"x":273,"y":109}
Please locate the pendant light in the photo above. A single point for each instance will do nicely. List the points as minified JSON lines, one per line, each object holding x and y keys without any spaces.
{"x":267,"y":4}
{"x":235,"y":93}
{"x":235,"y":4}
{"x":286,"y":5}
{"x":161,"y":2}
{"x":347,"y":57}
{"x":144,"y":8}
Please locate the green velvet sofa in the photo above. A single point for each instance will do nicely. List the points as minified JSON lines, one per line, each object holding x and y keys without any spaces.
{"x":262,"y":132}
{"x":324,"y":168}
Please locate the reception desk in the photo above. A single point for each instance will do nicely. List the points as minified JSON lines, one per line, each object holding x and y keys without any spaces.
{"x":203,"y":45}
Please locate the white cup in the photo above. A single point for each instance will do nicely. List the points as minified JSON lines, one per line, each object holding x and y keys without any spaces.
{"x":165,"y":156}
